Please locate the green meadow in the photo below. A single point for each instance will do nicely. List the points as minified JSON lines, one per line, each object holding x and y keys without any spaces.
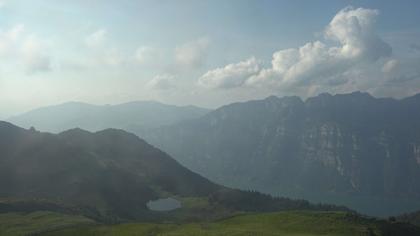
{"x":12,"y":224}
{"x":295,"y":223}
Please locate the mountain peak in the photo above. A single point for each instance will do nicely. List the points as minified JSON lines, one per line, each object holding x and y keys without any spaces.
{"x":76,"y":131}
{"x":327,"y":97}
{"x":117,"y":132}
{"x":272,"y":97}
{"x":356,"y":94}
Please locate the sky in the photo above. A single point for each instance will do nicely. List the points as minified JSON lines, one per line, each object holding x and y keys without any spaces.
{"x":204,"y":53}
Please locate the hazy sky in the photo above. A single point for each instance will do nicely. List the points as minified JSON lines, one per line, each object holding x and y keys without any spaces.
{"x":205,"y":53}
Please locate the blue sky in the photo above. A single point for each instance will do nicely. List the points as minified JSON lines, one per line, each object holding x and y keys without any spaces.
{"x":206,"y":53}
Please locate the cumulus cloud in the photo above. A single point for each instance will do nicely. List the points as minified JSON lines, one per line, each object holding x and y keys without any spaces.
{"x":401,"y":71}
{"x":162,"y":82}
{"x":354,"y":29}
{"x":19,"y":47}
{"x":230,"y":76}
{"x":350,"y":40}
{"x":192,"y":54}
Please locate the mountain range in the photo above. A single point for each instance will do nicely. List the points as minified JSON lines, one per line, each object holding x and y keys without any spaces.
{"x":93,"y":183}
{"x":351,"y":149}
{"x":135,"y":116}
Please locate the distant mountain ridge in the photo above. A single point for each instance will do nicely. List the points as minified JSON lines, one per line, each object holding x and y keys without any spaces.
{"x":349,"y":145}
{"x":129,"y":116}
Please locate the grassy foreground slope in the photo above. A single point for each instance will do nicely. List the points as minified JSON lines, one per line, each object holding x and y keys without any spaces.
{"x":17,"y":224}
{"x":298,"y":223}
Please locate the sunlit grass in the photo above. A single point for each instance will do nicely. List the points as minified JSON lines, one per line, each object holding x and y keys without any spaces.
{"x":272,"y":224}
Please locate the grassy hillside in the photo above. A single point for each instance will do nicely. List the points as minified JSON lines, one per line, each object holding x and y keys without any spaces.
{"x":284,"y":223}
{"x":16,"y":224}
{"x":112,"y":171}
{"x":111,"y":175}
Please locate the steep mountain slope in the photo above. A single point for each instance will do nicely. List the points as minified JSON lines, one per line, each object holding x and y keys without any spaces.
{"x":352,"y":146}
{"x":111,"y":175}
{"x":111,"y":170}
{"x":128,"y":116}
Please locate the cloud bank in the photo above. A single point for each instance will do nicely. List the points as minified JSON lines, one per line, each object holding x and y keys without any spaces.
{"x":350,"y":43}
{"x":230,"y":76}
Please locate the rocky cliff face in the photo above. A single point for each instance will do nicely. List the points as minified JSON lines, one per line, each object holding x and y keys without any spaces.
{"x":351,"y":144}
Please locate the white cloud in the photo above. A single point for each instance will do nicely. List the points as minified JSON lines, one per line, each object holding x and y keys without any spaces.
{"x":17,"y":47}
{"x":316,"y":62}
{"x":97,"y":38}
{"x":354,"y":29}
{"x":401,"y":71}
{"x":162,"y":82}
{"x":34,"y":56}
{"x":192,"y":54}
{"x":9,"y":40}
{"x":232,"y":75}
